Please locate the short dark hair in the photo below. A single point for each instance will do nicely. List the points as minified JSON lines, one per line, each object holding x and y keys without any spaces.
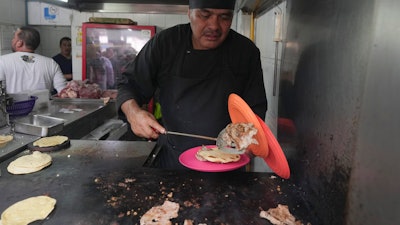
{"x":64,"y":39}
{"x":30,"y":36}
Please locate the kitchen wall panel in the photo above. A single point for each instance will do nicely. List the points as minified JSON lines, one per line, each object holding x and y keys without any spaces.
{"x":339,"y":79}
{"x":328,"y":72}
{"x":375,"y":184}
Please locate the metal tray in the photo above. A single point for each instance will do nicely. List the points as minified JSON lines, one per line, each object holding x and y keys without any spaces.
{"x":39,"y":125}
{"x":78,"y":100}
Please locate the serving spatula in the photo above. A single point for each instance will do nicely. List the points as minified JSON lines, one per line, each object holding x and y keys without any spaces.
{"x":221,"y":144}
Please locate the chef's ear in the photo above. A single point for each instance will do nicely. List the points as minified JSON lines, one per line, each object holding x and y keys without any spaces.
{"x":20,"y":43}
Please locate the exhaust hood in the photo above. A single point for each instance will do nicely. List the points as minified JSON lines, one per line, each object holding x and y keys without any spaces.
{"x":124,"y":6}
{"x":154,"y":6}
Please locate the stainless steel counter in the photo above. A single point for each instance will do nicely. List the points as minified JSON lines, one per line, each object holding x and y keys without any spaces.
{"x":81,"y":116}
{"x":16,"y":145}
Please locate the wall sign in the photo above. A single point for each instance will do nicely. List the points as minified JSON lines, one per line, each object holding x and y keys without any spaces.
{"x":51,"y":13}
{"x":40,"y":13}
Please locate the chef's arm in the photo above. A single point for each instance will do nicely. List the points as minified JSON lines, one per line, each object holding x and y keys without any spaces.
{"x":142,"y":122}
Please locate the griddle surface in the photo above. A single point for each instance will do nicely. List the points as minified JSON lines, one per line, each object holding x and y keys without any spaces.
{"x":103,"y":182}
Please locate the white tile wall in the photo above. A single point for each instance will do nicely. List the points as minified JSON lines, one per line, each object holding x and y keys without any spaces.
{"x":242,"y":22}
{"x":264,"y":39}
{"x":6,"y":35}
{"x":172,"y":20}
{"x":12,"y":12}
{"x":12,"y":15}
{"x":50,"y":37}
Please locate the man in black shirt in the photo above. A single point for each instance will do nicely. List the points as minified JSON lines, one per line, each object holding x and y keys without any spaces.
{"x":193,"y":67}
{"x":64,"y":58}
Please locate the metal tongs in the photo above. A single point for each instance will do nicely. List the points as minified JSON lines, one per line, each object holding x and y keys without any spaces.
{"x":221,"y":144}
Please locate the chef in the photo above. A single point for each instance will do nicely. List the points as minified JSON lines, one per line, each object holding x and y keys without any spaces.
{"x":194,"y":67}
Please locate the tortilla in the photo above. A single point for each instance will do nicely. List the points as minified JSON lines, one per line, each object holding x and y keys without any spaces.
{"x":28,"y":210}
{"x":29,"y":163}
{"x":216,"y":155}
{"x":160,"y":215}
{"x":50,"y":141}
{"x":4,"y":139}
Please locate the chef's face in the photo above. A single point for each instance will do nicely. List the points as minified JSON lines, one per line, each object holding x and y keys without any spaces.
{"x":65,"y":47}
{"x":210,"y":27}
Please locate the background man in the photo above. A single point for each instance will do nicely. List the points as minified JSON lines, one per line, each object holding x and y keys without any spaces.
{"x":24,"y":70}
{"x":64,"y":58}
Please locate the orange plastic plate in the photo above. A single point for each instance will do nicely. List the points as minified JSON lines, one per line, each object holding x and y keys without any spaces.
{"x":240,"y":112}
{"x":276,"y":159}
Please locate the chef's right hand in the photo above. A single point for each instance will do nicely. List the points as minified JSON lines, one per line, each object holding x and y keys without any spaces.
{"x":142,"y":122}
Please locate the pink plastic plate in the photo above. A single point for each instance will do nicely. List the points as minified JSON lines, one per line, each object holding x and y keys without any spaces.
{"x":188,"y":159}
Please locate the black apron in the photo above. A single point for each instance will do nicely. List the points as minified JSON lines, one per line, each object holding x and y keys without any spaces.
{"x":194,"y":100}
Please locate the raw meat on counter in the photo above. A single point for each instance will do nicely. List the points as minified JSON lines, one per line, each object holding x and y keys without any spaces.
{"x":83,"y":89}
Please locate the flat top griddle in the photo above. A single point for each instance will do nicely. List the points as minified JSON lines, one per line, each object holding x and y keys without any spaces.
{"x":104,"y":182}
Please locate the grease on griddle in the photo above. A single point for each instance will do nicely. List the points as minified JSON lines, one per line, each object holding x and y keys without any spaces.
{"x":131,"y":199}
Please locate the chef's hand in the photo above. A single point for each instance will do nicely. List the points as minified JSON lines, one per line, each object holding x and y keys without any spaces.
{"x":142,"y":122}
